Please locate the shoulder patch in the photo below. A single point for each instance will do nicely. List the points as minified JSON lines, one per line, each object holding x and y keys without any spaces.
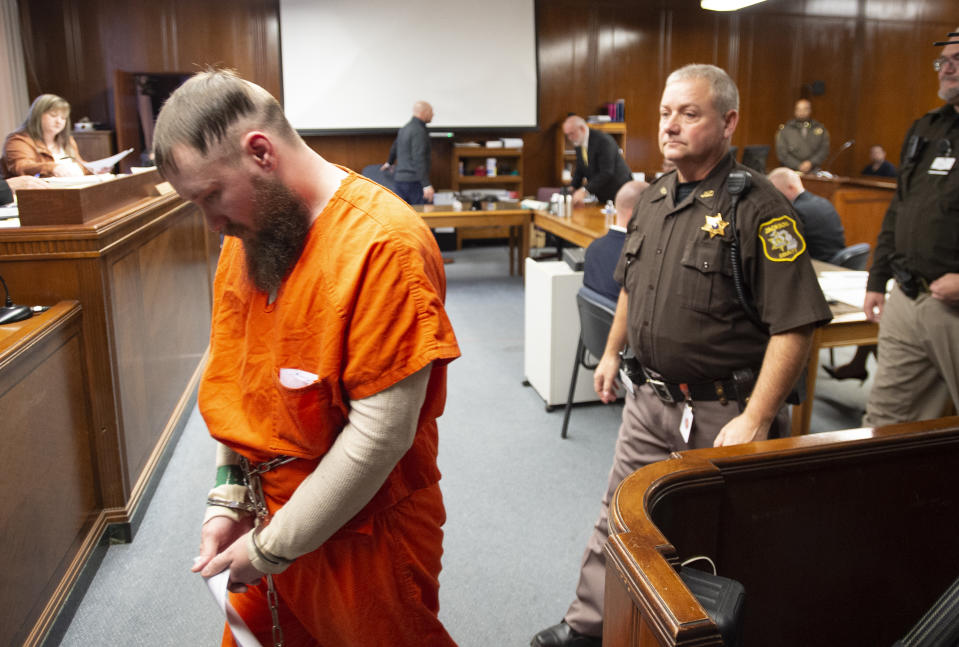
{"x":781,"y":239}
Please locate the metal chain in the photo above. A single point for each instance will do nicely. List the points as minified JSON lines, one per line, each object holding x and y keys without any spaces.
{"x":274,"y":611}
{"x":258,"y":505}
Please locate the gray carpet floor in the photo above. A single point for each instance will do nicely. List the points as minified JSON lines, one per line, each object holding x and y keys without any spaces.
{"x":520,"y":501}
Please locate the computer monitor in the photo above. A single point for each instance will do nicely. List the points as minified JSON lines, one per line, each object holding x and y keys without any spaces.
{"x":755,"y":157}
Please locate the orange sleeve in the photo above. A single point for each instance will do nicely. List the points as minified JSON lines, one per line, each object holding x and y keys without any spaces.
{"x":398,"y":323}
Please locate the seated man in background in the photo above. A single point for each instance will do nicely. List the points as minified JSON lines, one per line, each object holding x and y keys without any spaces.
{"x":821,"y":225}
{"x":598,"y":161}
{"x":13,"y":184}
{"x":878,"y":164}
{"x":603,"y":253}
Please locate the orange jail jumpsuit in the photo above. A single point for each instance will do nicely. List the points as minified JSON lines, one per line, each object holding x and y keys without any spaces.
{"x":362,"y":309}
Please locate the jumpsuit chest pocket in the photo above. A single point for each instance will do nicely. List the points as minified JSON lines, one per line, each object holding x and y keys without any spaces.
{"x":308,"y":419}
{"x":706,"y":284}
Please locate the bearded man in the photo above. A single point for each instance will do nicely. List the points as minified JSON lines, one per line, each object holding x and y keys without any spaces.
{"x":327,"y":372}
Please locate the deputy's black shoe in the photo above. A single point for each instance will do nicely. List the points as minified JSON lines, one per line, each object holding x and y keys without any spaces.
{"x":562,"y":635}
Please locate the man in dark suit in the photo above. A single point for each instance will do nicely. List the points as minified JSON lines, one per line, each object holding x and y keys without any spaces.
{"x":598,"y":161}
{"x":603,"y":253}
{"x":820,"y":222}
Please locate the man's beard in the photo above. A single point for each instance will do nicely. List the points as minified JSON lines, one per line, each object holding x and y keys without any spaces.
{"x":281,"y":223}
{"x":950,"y":94}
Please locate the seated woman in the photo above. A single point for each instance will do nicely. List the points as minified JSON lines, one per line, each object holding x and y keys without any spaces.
{"x":43,"y":145}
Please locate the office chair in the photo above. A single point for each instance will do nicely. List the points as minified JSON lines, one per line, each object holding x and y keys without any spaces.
{"x":755,"y":157}
{"x":853,"y":257}
{"x":381,"y":177}
{"x":595,"y":319}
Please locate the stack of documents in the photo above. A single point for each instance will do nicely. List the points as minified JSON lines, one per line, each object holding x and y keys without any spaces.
{"x":844,"y":287}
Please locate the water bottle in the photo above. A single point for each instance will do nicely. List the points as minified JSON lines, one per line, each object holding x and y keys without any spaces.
{"x":609,"y":211}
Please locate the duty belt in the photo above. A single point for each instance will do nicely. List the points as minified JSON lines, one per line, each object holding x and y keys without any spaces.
{"x":722,"y":390}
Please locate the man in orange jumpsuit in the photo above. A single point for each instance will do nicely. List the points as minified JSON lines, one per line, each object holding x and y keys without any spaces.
{"x":327,"y":372}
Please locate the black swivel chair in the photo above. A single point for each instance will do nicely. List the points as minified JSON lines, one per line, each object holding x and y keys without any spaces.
{"x":755,"y":157}
{"x":595,"y":319}
{"x":853,"y":257}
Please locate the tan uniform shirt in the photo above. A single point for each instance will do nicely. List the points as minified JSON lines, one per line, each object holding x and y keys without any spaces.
{"x":801,"y":140}
{"x":684,"y":320}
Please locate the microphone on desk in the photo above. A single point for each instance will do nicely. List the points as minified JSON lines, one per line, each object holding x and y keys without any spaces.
{"x":10,"y":313}
{"x":827,"y":174}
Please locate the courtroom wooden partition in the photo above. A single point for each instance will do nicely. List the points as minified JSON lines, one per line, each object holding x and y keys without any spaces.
{"x":840,"y":538}
{"x":51,"y":504}
{"x":143,"y":277}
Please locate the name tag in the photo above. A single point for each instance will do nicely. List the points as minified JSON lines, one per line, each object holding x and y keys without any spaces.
{"x":942,"y":165}
{"x":686,"y":423}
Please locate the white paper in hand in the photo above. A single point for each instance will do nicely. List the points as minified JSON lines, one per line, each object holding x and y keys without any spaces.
{"x":241,"y":633}
{"x":105,"y":164}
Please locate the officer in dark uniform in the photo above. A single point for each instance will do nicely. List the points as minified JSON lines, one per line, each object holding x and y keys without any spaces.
{"x":699,"y":353}
{"x":917,"y":369}
{"x":802,"y":143}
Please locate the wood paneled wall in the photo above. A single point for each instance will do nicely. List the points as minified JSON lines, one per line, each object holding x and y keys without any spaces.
{"x":873,"y":55}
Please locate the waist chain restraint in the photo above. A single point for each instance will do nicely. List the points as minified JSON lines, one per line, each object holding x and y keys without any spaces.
{"x":255,"y":504}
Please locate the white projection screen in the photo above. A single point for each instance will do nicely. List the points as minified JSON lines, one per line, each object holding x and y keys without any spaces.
{"x":359,"y":65}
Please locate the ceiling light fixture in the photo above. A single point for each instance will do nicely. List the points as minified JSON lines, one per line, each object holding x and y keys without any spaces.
{"x":727,"y":5}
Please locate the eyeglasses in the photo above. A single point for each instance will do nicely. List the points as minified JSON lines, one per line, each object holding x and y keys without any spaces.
{"x":940,"y":62}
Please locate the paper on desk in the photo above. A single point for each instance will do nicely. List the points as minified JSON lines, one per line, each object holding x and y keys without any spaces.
{"x":105,"y":164}
{"x":11,"y":211}
{"x":241,"y":633}
{"x":78,"y":181}
{"x":847,"y":286}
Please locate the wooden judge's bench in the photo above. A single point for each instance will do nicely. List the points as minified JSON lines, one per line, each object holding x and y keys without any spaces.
{"x":94,"y":391}
{"x":840,"y":538}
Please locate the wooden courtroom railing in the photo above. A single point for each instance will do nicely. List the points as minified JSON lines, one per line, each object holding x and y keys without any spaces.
{"x":840,"y":538}
{"x":141,"y":270}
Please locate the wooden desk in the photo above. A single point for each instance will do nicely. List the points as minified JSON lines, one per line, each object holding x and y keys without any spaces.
{"x":499,"y":214}
{"x":847,"y":328}
{"x":583,"y":227}
{"x":839,"y":538}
